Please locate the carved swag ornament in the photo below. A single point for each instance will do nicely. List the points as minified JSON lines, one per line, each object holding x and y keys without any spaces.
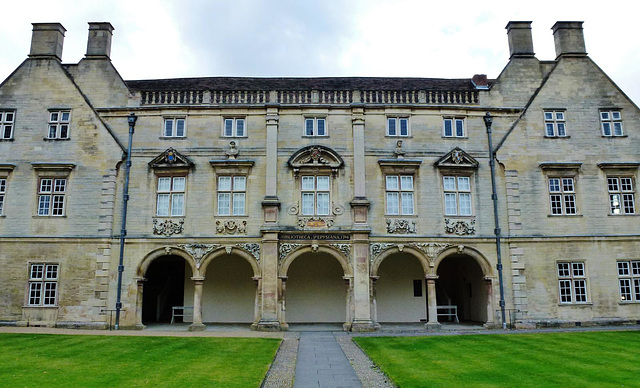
{"x":401,"y":226}
{"x":168,"y":227}
{"x":231,"y":227}
{"x":460,"y":227}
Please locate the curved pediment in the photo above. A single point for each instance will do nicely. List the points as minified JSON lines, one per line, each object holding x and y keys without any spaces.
{"x":170,"y":159}
{"x":457,"y":158}
{"x":315,"y":156}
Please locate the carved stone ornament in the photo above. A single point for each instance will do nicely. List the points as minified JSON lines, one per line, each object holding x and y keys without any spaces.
{"x":285,"y":249}
{"x":293,"y":208}
{"x":233,"y":151}
{"x":315,"y":222}
{"x":399,"y":152}
{"x":337,"y":209}
{"x":170,"y":158}
{"x":252,"y":248}
{"x":168,"y":227}
{"x":401,"y":226}
{"x":431,"y":250}
{"x":198,"y":251}
{"x":345,"y":249}
{"x":231,"y":227}
{"x":460,"y":227}
{"x":457,"y":158}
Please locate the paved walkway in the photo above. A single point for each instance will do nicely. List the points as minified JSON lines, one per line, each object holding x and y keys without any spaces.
{"x":322,"y":363}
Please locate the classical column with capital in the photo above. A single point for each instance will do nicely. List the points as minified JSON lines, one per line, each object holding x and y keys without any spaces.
{"x":197,"y":324}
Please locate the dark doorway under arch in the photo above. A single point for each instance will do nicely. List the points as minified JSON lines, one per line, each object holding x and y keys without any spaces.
{"x":461,"y":283}
{"x":163,"y":289}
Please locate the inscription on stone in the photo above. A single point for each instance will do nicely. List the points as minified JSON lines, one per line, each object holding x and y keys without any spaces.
{"x":314,"y":236}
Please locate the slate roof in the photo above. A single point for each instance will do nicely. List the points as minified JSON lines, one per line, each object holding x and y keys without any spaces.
{"x":291,"y":83}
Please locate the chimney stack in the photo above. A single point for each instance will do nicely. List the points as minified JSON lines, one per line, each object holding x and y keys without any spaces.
{"x":99,"y":42}
{"x":520,"y":40}
{"x":569,"y":39}
{"x":47,"y":40}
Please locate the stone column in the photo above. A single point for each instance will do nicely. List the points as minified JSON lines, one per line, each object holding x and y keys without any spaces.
{"x":271,"y":204}
{"x":374,"y":302}
{"x":256,"y":303}
{"x":348,"y":285}
{"x":361,"y":298}
{"x":140,"y":283}
{"x":269,"y":298}
{"x":432,"y":324}
{"x":360,"y":203}
{"x":283,"y":303}
{"x":490,"y":311}
{"x":197,"y":324}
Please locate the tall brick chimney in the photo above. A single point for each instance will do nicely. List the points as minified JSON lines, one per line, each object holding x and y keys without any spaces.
{"x":569,"y":39}
{"x":47,"y":40}
{"x":99,"y":42}
{"x":520,"y":40}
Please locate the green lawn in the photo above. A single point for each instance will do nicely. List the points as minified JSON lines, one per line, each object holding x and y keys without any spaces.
{"x":38,"y":360}
{"x":587,"y":359}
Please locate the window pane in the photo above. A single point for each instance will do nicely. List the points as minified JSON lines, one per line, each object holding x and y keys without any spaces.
{"x":463,"y":183}
{"x":560,"y":116}
{"x":465,"y":204}
{"x":406,"y":183}
{"x":34,"y":293}
{"x":450,"y":206}
{"x":323,"y":203}
{"x":224,"y":183}
{"x":616,"y":115}
{"x":323,"y":183}
{"x":49,"y":294}
{"x":606,"y":129}
{"x":392,"y":127}
{"x":60,"y":185}
{"x":567,"y":184}
{"x":178,"y":183}
{"x":578,"y":269}
{"x":612,"y":184}
{"x":308,"y":183}
{"x":43,"y":205}
{"x":177,"y":204}
{"x":580,"y":290}
{"x":604,"y":115}
{"x":164,"y":184}
{"x":37,"y":271}
{"x":163,"y":205}
{"x":561,"y":130}
{"x":308,"y":203}
{"x":616,"y":205}
{"x":58,"y":205}
{"x":563,"y":270}
{"x":459,"y":128}
{"x":54,"y":117}
{"x":565,"y":291}
{"x":623,"y":268}
{"x":308,"y":127}
{"x":180,"y":127}
{"x":627,"y":184}
{"x":223,"y":204}
{"x":321,"y":128}
{"x":550,"y":129}
{"x":554,"y":185}
{"x":240,"y":127}
{"x":65,"y":117}
{"x":404,"y":127}
{"x":548,"y":115}
{"x":64,"y":131}
{"x":228,"y":127}
{"x":239,"y":183}
{"x":52,"y":131}
{"x":449,"y":183}
{"x":556,"y":204}
{"x":617,"y":129}
{"x":238,"y":204}
{"x":407,"y":203}
{"x":46,"y":185}
{"x":625,"y":289}
{"x":52,"y":271}
{"x":629,"y":203}
{"x":168,"y":128}
{"x":392,"y":182}
{"x":393,"y":206}
{"x":448,"y":127}
{"x":570,"y":204}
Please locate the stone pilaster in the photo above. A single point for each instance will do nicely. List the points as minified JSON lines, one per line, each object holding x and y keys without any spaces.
{"x":361,"y":282}
{"x":269,"y":319}
{"x":271,"y":204}
{"x":360,"y":203}
{"x":433,"y":323}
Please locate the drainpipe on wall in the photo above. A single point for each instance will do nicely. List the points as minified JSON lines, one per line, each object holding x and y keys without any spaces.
{"x":123,"y":231}
{"x":488,"y":120}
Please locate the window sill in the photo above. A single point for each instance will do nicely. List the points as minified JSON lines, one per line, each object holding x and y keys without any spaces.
{"x":8,"y":139}
{"x":624,"y":215}
{"x":399,"y":136}
{"x":401,"y":215}
{"x":614,"y":136}
{"x":581,"y":304}
{"x":629,"y":302}
{"x":156,"y":216}
{"x":457,"y":216}
{"x":40,"y":307}
{"x":564,"y":215}
{"x":233,"y":216}
{"x":314,"y":136}
{"x":47,"y":217}
{"x":456,"y":137}
{"x":233,"y":137}
{"x":173,"y":138}
{"x":56,"y":139}
{"x":557,"y":137}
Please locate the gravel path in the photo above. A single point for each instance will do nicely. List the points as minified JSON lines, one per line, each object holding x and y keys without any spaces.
{"x":282,"y":371}
{"x":369,"y":374}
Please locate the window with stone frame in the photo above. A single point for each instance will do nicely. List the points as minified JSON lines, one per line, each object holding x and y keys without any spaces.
{"x":315,"y":194}
{"x":399,"y":195}
{"x":629,"y":280}
{"x":59,"y":123}
{"x":174,"y":127}
{"x":234,"y":127}
{"x":43,"y":284}
{"x":572,"y":282}
{"x":3,"y":190}
{"x":555,"y":123}
{"x":562,"y":196}
{"x":611,"y":122}
{"x":170,"y":196}
{"x":52,"y":196}
{"x":315,"y":126}
{"x":453,"y":127}
{"x":621,"y":195}
{"x":7,"y":119}
{"x":398,"y":126}
{"x":232,"y":193}
{"x":457,"y":195}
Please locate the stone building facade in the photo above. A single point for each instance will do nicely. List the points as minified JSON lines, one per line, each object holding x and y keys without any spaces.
{"x":360,"y":201}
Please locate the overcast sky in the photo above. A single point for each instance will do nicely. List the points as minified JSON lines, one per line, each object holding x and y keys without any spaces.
{"x":402,"y":38}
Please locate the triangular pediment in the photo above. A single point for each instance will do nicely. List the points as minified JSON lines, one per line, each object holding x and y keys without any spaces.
{"x":456,"y":158}
{"x":170,"y":159}
{"x":315,"y":156}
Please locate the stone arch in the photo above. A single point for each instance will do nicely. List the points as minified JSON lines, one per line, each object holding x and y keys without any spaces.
{"x":164,"y":251}
{"x":377,"y":261}
{"x":229,"y":250}
{"x":336,"y":254}
{"x":482,"y":261}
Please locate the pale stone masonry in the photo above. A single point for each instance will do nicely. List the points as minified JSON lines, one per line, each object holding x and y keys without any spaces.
{"x":352,"y":200}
